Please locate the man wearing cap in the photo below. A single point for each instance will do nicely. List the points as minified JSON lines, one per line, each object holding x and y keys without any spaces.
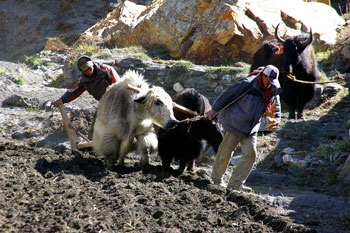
{"x":95,"y":79}
{"x":239,"y":109}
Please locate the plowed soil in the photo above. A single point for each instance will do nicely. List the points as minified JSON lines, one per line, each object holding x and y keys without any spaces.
{"x":46,"y":191}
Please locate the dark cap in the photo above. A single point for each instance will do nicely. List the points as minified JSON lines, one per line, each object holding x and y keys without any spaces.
{"x":84,"y":63}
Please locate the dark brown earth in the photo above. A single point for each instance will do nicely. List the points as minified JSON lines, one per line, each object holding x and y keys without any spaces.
{"x":47,"y":191}
{"x":46,"y":188}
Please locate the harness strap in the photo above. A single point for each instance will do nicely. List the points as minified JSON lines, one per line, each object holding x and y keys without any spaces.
{"x":233,"y":101}
{"x":204,"y":117}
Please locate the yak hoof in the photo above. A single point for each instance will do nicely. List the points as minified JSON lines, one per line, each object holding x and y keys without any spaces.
{"x":144,"y":162}
{"x":110,"y":163}
{"x":179,"y":171}
{"x":167,"y":169}
{"x":110,"y":166}
{"x":292,"y":116}
{"x":301,"y":116}
{"x":191,"y":166}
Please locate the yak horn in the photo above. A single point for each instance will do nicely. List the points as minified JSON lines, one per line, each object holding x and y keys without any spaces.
{"x":276,"y":35}
{"x":309,"y":40}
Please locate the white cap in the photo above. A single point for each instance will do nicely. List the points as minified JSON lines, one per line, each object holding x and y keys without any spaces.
{"x":272,"y":72}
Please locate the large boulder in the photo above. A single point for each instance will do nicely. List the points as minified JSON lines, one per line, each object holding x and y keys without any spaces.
{"x":344,"y":174}
{"x":211,"y":32}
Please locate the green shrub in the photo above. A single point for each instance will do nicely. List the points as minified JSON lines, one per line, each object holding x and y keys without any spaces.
{"x":20,"y":80}
{"x":34,"y":61}
{"x":143,"y":56}
{"x":86,"y":49}
{"x":57,"y":83}
{"x":325,"y":150}
{"x":185,"y":65}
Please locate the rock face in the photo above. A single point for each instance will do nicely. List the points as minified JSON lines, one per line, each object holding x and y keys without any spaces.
{"x":25,"y":25}
{"x":344,"y":174}
{"x":212,"y":32}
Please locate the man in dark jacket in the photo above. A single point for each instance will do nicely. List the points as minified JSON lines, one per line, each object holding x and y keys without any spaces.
{"x":252,"y":96}
{"x":95,"y":79}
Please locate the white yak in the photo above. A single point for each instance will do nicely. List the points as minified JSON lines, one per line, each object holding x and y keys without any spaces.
{"x":125,"y":119}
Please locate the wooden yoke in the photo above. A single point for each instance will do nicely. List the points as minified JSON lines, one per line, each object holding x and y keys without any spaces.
{"x":73,"y":137}
{"x":175,"y":105}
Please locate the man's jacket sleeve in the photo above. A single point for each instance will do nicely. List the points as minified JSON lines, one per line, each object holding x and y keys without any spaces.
{"x":73,"y":93}
{"x":229,"y":95}
{"x":114,"y":75}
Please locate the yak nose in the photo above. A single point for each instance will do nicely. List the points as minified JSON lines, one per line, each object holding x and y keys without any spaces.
{"x":171,"y":124}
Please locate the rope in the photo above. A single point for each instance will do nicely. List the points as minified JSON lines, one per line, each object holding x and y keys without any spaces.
{"x":293,"y":78}
{"x":196,"y":118}
{"x":193,"y":119}
{"x":205,"y":117}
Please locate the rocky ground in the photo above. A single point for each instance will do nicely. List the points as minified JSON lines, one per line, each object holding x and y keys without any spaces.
{"x":45,"y":187}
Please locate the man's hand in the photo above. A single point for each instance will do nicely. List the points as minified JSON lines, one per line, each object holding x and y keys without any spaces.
{"x":210,"y":116}
{"x":57,"y":103}
{"x":273,"y":124}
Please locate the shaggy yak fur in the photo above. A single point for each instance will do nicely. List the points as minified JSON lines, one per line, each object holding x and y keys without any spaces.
{"x":187,"y":141}
{"x":125,"y":119}
{"x":294,"y":56}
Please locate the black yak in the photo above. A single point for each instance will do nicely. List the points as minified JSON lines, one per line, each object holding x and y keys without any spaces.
{"x":187,"y":141}
{"x":294,"y":56}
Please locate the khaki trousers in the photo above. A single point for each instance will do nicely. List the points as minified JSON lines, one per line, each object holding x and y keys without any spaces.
{"x":245,"y":163}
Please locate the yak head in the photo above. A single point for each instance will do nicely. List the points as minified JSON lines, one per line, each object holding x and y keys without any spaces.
{"x":157,"y":105}
{"x":203,"y":129}
{"x":293,"y":48}
{"x":212,"y":132}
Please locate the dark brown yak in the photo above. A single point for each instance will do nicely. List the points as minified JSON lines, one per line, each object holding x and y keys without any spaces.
{"x":186,"y":142}
{"x":294,"y":56}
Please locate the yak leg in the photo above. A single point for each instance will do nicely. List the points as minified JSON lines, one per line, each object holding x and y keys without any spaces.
{"x":291,"y":111}
{"x":124,"y":150}
{"x":147,"y":145}
{"x":111,"y":159}
{"x":191,"y":165}
{"x":301,"y":106}
{"x":144,"y":151}
{"x":300,"y":115}
{"x":181,"y":168}
{"x":166,"y":164}
{"x":111,"y":151}
{"x":290,"y":100}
